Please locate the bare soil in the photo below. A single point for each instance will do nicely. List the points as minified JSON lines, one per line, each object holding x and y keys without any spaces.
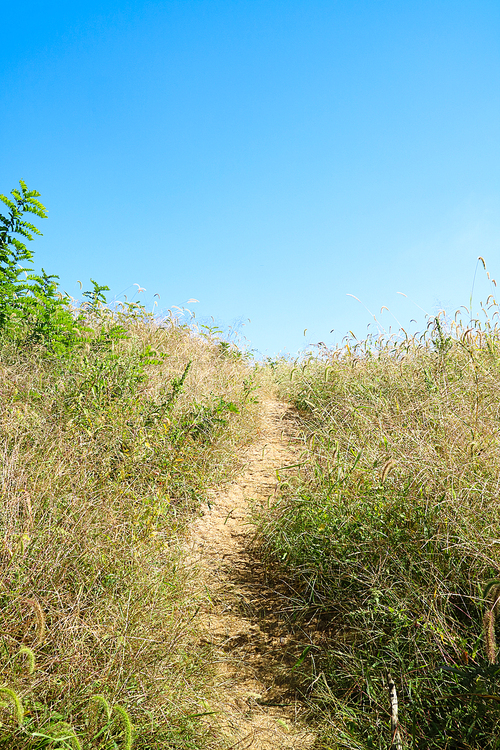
{"x":246,"y":626}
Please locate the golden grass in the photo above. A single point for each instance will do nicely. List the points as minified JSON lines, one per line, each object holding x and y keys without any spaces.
{"x":389,"y":530}
{"x":103,"y":464}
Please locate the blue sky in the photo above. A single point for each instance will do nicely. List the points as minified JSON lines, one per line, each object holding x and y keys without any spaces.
{"x":266,"y":158}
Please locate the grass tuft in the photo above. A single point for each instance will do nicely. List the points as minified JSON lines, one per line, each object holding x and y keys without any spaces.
{"x":390,"y":528}
{"x":108,"y":450}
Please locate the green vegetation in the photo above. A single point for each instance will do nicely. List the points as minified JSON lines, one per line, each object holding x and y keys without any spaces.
{"x":113,"y":425}
{"x":390,"y":528}
{"x":32,"y":310}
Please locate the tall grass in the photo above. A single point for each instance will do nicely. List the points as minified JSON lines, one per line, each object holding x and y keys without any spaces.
{"x":107,"y":452}
{"x":390,"y":530}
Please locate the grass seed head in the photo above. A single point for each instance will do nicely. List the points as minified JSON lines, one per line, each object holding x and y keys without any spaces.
{"x":387,"y":467}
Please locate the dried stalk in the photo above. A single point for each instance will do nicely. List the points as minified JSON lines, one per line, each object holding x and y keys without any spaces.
{"x":492,"y":591}
{"x":396,"y":743}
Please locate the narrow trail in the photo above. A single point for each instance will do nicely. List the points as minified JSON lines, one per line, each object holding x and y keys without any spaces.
{"x":244,"y":620}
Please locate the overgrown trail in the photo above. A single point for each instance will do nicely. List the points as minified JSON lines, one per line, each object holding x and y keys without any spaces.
{"x":244,"y":619}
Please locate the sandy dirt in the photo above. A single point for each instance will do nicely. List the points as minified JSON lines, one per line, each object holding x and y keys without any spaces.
{"x":244,"y":618}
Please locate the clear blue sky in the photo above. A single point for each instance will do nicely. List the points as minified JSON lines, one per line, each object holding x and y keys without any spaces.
{"x":266,"y":158}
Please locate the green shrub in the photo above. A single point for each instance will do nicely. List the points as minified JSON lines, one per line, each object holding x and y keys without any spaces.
{"x":32,"y":310}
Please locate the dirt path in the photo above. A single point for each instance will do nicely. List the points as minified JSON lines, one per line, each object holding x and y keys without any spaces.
{"x":245,"y":619}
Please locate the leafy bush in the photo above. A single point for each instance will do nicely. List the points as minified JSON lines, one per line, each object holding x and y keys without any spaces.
{"x":32,"y":310}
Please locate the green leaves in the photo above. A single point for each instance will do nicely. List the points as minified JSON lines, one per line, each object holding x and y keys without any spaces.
{"x":25,"y":201}
{"x":32,"y":309}
{"x":29,"y":306}
{"x":96,"y":296}
{"x":13,"y":251}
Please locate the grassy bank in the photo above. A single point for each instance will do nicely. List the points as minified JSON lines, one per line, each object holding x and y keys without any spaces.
{"x":114,"y":425}
{"x":107,"y":452}
{"x":389,"y":531}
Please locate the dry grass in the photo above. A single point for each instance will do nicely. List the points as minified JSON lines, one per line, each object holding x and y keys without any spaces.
{"x":105,"y":457}
{"x":390,"y":528}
